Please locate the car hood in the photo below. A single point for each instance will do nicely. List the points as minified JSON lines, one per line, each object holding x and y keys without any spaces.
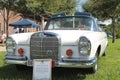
{"x":69,"y":37}
{"x":21,"y":38}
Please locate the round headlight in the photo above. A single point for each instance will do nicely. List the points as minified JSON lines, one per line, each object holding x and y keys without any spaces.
{"x":10,"y":41}
{"x":10,"y":45}
{"x":84,"y":46}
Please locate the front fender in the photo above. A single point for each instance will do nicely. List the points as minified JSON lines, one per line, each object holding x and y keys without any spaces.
{"x":21,"y":38}
{"x":97,"y":39}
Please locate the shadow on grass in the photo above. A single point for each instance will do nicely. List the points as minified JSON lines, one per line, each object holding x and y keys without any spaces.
{"x":10,"y":72}
{"x":69,"y":73}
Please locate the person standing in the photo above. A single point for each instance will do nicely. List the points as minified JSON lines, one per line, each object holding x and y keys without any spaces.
{"x":15,"y":31}
{"x":20,"y":30}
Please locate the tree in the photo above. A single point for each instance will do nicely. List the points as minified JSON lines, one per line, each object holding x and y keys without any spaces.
{"x":44,"y":8}
{"x":108,"y":29}
{"x":5,"y":7}
{"x":104,"y":9}
{"x":49,"y":7}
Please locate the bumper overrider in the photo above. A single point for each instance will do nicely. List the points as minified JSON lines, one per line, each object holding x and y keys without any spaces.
{"x":65,"y":62}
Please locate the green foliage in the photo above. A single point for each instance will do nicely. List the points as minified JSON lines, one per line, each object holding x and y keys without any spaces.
{"x":44,"y":7}
{"x":5,"y":7}
{"x":8,"y":4}
{"x":39,"y":8}
{"x":117,"y":29}
{"x":103,"y":8}
{"x":20,"y":7}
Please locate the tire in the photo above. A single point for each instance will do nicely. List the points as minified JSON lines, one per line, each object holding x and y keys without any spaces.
{"x":104,"y":54}
{"x":95,"y":68}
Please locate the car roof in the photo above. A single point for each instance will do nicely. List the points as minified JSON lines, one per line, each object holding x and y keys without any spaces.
{"x":75,"y":14}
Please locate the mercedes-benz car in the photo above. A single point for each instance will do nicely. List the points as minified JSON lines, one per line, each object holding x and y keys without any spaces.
{"x":69,"y":40}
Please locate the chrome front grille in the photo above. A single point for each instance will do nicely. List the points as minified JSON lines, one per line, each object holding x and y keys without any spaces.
{"x":44,"y":47}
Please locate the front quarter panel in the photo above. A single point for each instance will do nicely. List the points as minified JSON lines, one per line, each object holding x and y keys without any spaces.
{"x":22,"y":40}
{"x":98,"y":40}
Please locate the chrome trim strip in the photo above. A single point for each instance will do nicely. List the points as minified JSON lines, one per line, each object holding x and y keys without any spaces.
{"x":68,"y":45}
{"x":15,"y":57}
{"x":72,"y":59}
{"x":80,"y":64}
{"x":16,"y":61}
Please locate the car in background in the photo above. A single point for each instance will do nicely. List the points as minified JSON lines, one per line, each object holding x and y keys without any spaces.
{"x":69,"y":40}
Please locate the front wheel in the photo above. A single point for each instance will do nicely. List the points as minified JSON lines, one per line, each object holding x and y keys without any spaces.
{"x":95,"y":67}
{"x":104,"y":54}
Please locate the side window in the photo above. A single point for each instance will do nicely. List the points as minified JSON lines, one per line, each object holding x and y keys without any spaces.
{"x":99,"y":27}
{"x":51,"y":25}
{"x":96,"y":26}
{"x":55,"y":24}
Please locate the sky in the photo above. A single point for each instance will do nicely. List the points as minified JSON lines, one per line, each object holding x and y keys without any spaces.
{"x":81,"y":2}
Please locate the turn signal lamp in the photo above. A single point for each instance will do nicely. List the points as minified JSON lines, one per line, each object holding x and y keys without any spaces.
{"x":69,"y":52}
{"x":20,"y":51}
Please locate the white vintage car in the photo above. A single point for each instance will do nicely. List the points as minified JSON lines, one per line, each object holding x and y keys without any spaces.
{"x":70,"y":41}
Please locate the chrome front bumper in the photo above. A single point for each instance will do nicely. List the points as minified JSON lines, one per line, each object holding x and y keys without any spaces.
{"x":78,"y":63}
{"x":15,"y":60}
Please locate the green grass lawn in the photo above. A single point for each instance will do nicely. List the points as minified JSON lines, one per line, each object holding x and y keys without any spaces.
{"x":109,"y":68}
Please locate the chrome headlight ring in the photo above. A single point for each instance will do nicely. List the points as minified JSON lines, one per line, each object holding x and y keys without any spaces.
{"x":84,"y":46}
{"x":10,"y":45}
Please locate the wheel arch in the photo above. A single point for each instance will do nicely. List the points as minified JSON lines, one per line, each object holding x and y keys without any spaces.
{"x":98,"y":50}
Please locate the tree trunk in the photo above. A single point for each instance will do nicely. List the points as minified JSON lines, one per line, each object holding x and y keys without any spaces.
{"x":7,"y":23}
{"x":7,"y":19}
{"x":4,"y":21}
{"x":42,"y":25}
{"x":113,"y":30}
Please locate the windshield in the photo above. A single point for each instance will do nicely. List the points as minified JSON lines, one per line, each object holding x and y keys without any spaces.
{"x":71,"y":23}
